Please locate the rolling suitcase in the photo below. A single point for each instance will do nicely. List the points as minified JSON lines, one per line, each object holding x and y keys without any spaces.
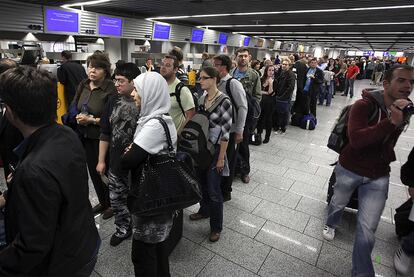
{"x":353,"y":202}
{"x":176,"y":231}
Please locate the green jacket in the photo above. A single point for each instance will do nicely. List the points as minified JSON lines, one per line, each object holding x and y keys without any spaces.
{"x":251,"y":83}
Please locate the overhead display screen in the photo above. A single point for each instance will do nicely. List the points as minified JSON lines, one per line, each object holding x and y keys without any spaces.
{"x":197,"y":35}
{"x":110,"y":25}
{"x":222,"y":38}
{"x":246,"y":41}
{"x":61,"y":21}
{"x":161,"y":31}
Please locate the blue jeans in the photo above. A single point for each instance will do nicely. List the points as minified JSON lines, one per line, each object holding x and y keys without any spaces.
{"x":212,"y":202}
{"x":326,"y":93}
{"x":372,"y":194}
{"x":349,"y":85}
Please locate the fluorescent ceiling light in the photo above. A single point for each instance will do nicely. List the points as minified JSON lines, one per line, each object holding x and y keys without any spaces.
{"x":308,"y":24}
{"x":284,"y":12}
{"x":87,"y":3}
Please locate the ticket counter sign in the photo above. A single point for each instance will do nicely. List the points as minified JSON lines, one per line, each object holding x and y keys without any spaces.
{"x":197,"y":35}
{"x":61,"y":21}
{"x":161,"y":31}
{"x":111,"y":26}
{"x":222,"y":39}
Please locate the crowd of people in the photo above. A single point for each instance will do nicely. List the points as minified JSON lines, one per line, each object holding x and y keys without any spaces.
{"x":49,"y":225}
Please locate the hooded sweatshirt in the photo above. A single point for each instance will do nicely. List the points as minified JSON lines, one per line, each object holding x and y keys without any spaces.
{"x":371,"y":144}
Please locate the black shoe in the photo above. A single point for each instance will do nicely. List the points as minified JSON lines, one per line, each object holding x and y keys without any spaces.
{"x":266,"y":140}
{"x":343,"y":94}
{"x":226,"y":196}
{"x":119,"y":236}
{"x":108,"y":213}
{"x":98,"y":209}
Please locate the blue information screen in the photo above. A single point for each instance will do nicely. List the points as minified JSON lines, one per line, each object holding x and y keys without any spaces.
{"x":161,"y":31}
{"x":62,"y":21}
{"x":246,"y":41}
{"x":110,"y":26}
{"x":222,"y":38}
{"x":197,"y":35}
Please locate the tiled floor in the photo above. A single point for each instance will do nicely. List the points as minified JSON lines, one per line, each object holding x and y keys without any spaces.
{"x":272,"y":226}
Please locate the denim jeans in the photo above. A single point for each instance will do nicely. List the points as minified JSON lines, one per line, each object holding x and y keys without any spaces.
{"x":372,"y":194}
{"x":326,"y":93}
{"x":349,"y":85}
{"x":212,"y":202}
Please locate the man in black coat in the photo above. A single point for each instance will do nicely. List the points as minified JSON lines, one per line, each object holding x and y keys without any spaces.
{"x":50,"y":229}
{"x":312,"y":85}
{"x":70,"y":74}
{"x":300,"y":68}
{"x":405,"y":253}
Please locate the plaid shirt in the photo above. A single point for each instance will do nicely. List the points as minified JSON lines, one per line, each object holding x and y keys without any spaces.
{"x":221,"y":119}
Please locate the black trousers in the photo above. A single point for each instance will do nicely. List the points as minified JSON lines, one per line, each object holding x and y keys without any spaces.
{"x":243,"y":157}
{"x":313,"y":99}
{"x":232,"y":150}
{"x":91,"y":147}
{"x":150,"y":259}
{"x":266,"y":117}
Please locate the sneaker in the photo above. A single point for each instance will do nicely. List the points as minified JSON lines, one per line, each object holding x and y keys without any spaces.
{"x":401,"y":261}
{"x":120,"y":235}
{"x":328,"y":233}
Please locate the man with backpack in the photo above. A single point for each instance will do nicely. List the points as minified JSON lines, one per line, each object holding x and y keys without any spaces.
{"x":250,"y":80}
{"x":182,"y":103}
{"x":235,"y":91}
{"x":181,"y":73}
{"x":364,"y":162}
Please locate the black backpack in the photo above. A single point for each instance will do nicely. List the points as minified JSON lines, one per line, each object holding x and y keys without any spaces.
{"x":177,"y":95}
{"x":194,"y":136}
{"x":338,"y":138}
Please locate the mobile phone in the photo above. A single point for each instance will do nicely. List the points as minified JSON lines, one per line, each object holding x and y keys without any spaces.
{"x":12,"y":169}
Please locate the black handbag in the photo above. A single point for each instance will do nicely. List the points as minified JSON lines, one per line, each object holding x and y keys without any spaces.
{"x":167,"y":183}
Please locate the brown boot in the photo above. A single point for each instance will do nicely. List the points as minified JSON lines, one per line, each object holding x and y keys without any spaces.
{"x":214,"y":236}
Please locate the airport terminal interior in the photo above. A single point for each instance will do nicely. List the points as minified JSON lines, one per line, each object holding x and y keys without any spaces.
{"x":272,"y":226}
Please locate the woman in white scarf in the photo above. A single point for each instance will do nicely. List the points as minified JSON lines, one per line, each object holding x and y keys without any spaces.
{"x":152,"y":96}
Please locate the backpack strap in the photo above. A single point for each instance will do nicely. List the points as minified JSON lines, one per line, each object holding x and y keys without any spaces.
{"x":217,"y":103}
{"x":167,"y":134}
{"x":177,"y":95}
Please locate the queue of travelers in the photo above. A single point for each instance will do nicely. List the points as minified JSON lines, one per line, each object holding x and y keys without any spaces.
{"x":50,"y":228}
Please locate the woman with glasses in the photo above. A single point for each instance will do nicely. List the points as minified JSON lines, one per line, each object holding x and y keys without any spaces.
{"x":90,"y":99}
{"x":283,"y":87}
{"x":267,"y":103}
{"x":218,"y":105}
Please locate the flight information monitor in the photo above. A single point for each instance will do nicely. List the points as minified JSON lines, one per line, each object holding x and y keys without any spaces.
{"x":111,"y":26}
{"x":61,"y":21}
{"x":197,"y":35}
{"x":161,"y":31}
{"x":223,"y":38}
{"x":246,"y":41}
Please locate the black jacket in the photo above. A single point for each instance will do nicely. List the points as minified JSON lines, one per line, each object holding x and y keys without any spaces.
{"x":70,"y":74}
{"x":407,"y":171}
{"x":50,"y":229}
{"x":284,"y":85}
{"x":301,"y":70}
{"x":10,"y":137}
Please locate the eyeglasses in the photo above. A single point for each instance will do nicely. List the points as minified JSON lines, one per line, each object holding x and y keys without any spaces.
{"x":119,"y":81}
{"x":205,"y":78}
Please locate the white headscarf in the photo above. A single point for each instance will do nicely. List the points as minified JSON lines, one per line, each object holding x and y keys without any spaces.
{"x":155,"y":101}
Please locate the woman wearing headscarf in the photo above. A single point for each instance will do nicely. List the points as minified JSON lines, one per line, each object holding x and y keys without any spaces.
{"x":152,"y":97}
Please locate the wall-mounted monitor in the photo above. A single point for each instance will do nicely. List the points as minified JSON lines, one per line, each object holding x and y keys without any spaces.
{"x":223,"y":38}
{"x":246,"y":41}
{"x":161,"y":31}
{"x":197,"y":35}
{"x":61,"y":21}
{"x":111,"y":26}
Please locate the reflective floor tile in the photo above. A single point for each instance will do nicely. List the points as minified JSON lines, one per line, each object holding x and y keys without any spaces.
{"x":290,"y":242}
{"x":282,"y":215}
{"x":274,"y":180}
{"x":242,"y":222}
{"x":301,"y":166}
{"x":239,"y":249}
{"x":313,"y":180}
{"x":312,"y":207}
{"x":335,"y":260}
{"x":282,"y":265}
{"x":219,"y":267}
{"x":243,"y":201}
{"x":188,"y":258}
{"x":196,"y":231}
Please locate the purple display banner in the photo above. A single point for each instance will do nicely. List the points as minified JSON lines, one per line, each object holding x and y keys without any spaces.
{"x":110,"y":26}
{"x":62,"y":21}
{"x":161,"y":31}
{"x":246,"y":41}
{"x":197,"y":35}
{"x":222,"y":38}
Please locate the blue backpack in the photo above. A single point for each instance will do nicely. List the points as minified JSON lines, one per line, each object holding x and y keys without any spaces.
{"x":308,"y":122}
